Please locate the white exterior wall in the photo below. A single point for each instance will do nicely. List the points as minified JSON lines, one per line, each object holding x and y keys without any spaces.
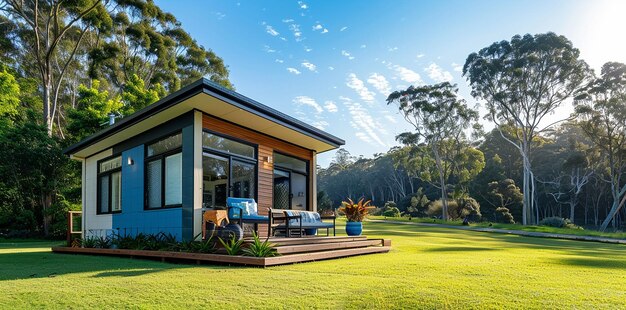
{"x":94,"y":224}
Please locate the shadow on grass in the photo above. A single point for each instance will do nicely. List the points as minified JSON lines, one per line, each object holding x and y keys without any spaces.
{"x":603,"y":263}
{"x":459,"y":249}
{"x":16,"y":265}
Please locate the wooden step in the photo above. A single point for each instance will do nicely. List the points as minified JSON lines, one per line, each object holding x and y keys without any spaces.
{"x":313,"y":256}
{"x":317,"y":247}
{"x":309,"y":240}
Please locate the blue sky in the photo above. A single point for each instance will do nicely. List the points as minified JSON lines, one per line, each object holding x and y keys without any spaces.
{"x":333,"y":63}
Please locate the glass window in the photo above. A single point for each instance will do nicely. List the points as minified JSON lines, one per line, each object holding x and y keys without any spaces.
{"x":167,"y":144}
{"x":164,"y":173}
{"x":109,"y":186}
{"x":153,"y":183}
{"x":173,"y":179}
{"x":289,"y":162}
{"x":212,"y":141}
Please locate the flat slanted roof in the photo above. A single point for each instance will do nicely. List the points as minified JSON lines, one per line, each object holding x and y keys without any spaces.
{"x":215,"y":100}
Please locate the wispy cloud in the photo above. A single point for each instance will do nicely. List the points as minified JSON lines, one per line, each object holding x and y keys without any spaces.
{"x":321,"y":125}
{"x":324,"y":31}
{"x":380,"y":83}
{"x":360,"y":88}
{"x":303,"y":5}
{"x":268,"y":49}
{"x":343,"y":28}
{"x":308,"y":101}
{"x":408,"y":75}
{"x":438,"y":74}
{"x":271,"y":31}
{"x":219,"y":15}
{"x":456,"y":67}
{"x":392,"y":49}
{"x":331,"y":68}
{"x":367,"y":129}
{"x":347,"y":54}
{"x":307,"y":49}
{"x":295,"y":29}
{"x":287,"y":20}
{"x":293,"y":70}
{"x":330,"y":106}
{"x":280,"y":61}
{"x":309,"y":65}
{"x":418,"y":56}
{"x":318,"y":27}
{"x":363,"y":46}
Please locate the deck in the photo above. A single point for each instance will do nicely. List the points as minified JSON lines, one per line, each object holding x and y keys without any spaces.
{"x":291,"y":250}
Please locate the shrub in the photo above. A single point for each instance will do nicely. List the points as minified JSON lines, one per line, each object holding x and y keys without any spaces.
{"x":260,"y":249}
{"x":457,"y":209}
{"x":232,"y":246}
{"x":504,"y":216}
{"x":88,"y":242}
{"x":355,"y":212}
{"x":558,"y":222}
{"x":391,"y":210}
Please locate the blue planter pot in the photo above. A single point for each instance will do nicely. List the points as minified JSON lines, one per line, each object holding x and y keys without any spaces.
{"x":354,"y":228}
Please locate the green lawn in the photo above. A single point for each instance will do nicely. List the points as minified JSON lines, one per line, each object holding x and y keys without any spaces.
{"x":546,"y":229}
{"x":428,"y":267}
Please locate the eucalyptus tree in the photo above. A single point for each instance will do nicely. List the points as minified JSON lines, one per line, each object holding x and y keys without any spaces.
{"x":438,"y":117}
{"x":50,"y":25}
{"x":601,"y":105}
{"x":522,"y":81}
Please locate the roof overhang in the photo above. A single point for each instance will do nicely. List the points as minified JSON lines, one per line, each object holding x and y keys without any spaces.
{"x":208,"y":97}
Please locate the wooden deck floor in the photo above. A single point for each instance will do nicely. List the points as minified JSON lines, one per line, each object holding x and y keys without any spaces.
{"x":291,"y":250}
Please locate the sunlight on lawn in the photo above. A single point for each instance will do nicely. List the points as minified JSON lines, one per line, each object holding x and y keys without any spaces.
{"x":427,"y":268}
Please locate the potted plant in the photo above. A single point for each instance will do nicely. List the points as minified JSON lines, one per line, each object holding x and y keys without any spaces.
{"x":355,"y":213}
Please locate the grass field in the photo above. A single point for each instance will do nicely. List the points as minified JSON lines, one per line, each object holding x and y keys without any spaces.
{"x":532,"y":228}
{"x":428,"y":267}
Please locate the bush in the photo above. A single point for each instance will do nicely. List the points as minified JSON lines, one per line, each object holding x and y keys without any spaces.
{"x":558,"y":222}
{"x":391,"y":209}
{"x":457,"y":209}
{"x":504,"y":216}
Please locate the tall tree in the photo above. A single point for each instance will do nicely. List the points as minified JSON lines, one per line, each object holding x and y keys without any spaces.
{"x":523,"y":81}
{"x":50,"y":25}
{"x":601,"y":105}
{"x":438,"y":117}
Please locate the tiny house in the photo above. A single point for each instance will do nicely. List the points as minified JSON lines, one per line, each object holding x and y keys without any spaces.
{"x":159,"y":168}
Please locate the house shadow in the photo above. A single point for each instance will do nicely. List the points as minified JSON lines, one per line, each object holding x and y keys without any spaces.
{"x":46,"y":264}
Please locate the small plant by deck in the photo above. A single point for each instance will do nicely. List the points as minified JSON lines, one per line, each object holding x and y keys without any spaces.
{"x":150,"y":242}
{"x":260,"y":248}
{"x":233,"y":246}
{"x":355,"y":212}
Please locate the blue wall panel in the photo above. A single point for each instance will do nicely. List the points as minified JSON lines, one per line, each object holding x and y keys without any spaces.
{"x":134,"y":219}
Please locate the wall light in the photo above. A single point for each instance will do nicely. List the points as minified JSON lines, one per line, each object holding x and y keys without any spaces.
{"x":130,"y":161}
{"x":268,"y":159}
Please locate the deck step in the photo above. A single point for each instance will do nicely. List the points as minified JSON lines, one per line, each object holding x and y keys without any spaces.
{"x":327,"y":246}
{"x":313,"y":256}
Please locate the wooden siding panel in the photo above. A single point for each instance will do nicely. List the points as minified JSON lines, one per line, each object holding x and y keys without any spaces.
{"x":266,"y":147}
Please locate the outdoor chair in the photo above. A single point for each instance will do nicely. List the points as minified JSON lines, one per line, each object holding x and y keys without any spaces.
{"x":245,"y":210}
{"x":301,"y":223}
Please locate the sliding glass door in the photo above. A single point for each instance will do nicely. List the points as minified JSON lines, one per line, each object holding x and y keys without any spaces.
{"x":290,"y":183}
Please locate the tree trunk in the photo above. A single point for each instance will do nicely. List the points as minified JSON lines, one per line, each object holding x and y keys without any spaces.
{"x":614,"y":209}
{"x":47,"y":113}
{"x":442,"y":181}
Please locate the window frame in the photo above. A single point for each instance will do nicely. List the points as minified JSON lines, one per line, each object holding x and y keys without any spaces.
{"x":162,"y":157}
{"x":108,"y":173}
{"x":291,"y":172}
{"x":235,"y":157}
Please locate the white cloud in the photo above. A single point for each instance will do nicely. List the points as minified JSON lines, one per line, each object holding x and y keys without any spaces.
{"x":408,"y":75}
{"x":367,"y":129}
{"x":363,"y":46}
{"x":271,"y":31}
{"x":418,"y":56}
{"x":330,"y":106}
{"x":308,"y":101}
{"x":324,"y":31}
{"x":280,"y":61}
{"x":303,"y":5}
{"x":437,"y":74}
{"x":320,"y":124}
{"x":456,"y":67}
{"x":293,"y":70}
{"x":380,"y":83}
{"x":347,"y":54}
{"x":309,"y":65}
{"x":343,"y":28}
{"x":307,"y":49}
{"x":268,"y":49}
{"x":318,"y":27}
{"x":331,"y":68}
{"x":295,"y":29}
{"x":392,"y":49}
{"x":287,"y":21}
{"x":360,"y":88}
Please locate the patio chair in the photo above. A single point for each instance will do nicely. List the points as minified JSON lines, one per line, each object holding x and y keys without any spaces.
{"x":301,"y":223}
{"x":245,"y":210}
